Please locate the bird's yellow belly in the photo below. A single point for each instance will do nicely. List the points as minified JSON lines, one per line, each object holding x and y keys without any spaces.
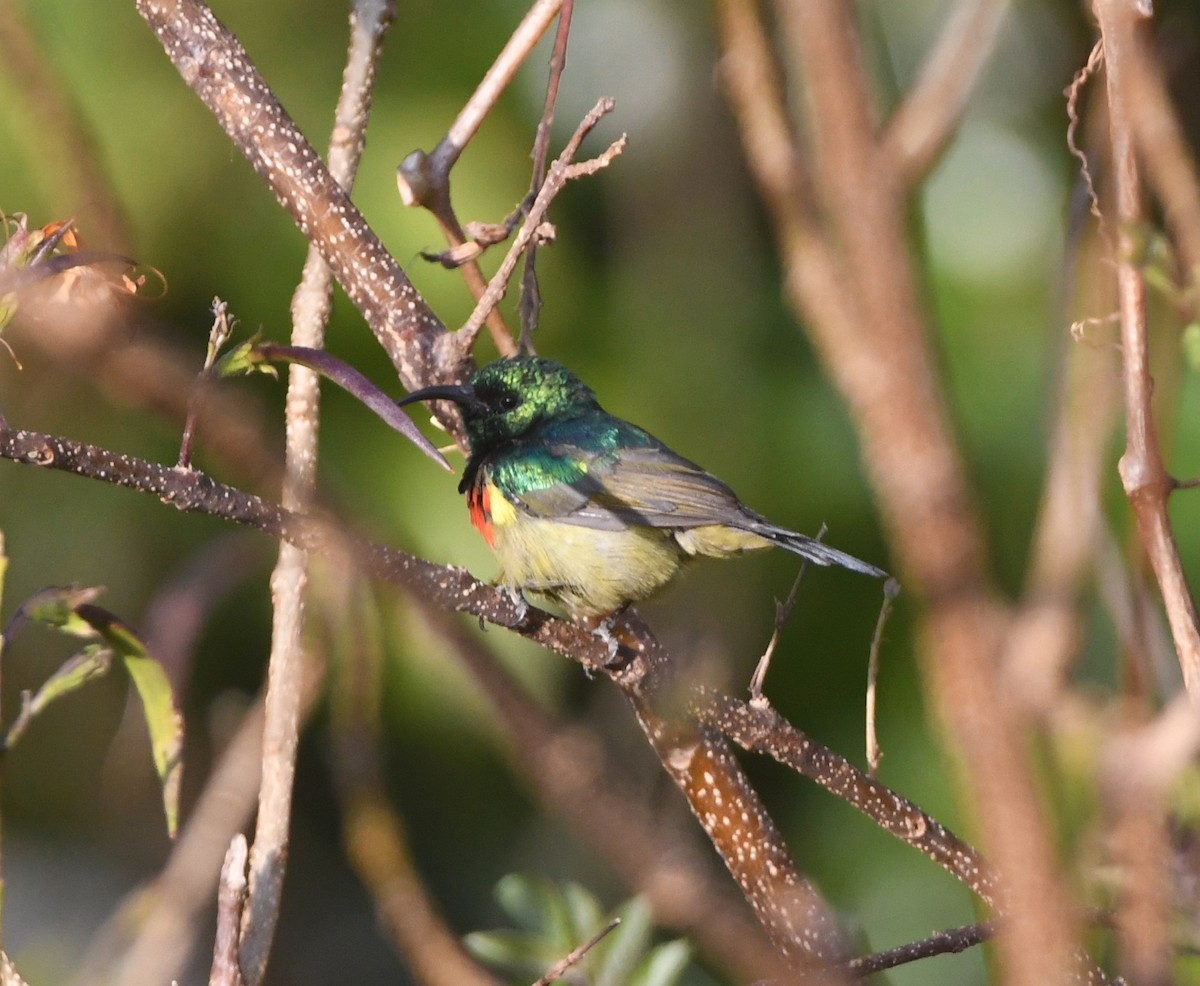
{"x":590,"y":572}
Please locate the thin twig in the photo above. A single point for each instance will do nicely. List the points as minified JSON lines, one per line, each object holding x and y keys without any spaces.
{"x":924,"y":123}
{"x":218,"y":335}
{"x":531,"y":296}
{"x":783,"y":612}
{"x":486,"y":94}
{"x":560,"y":967}
{"x":891,"y":589}
{"x":424,"y":179}
{"x":231,"y":896}
{"x":947,"y":942}
{"x":311,"y":305}
{"x":1143,"y":473}
{"x":561,"y":171}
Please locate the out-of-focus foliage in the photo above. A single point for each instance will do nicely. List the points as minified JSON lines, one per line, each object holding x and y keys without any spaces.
{"x":661,"y":290}
{"x":555,"y":921}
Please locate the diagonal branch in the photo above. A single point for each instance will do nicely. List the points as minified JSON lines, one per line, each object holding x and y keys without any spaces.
{"x":923,"y":124}
{"x":212,"y":61}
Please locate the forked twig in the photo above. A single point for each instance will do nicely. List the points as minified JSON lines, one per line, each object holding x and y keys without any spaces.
{"x":561,"y":171}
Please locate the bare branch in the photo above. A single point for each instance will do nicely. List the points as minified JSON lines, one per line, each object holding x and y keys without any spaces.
{"x":215,"y":65}
{"x":564,"y":964}
{"x":923,"y":124}
{"x":231,"y":896}
{"x":561,"y":171}
{"x":1143,"y":472}
{"x":763,"y":730}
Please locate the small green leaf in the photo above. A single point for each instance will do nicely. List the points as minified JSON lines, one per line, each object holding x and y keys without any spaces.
{"x":664,"y":966}
{"x":530,"y":902}
{"x":519,"y":952}
{"x":244,"y":359}
{"x":586,"y":914}
{"x":1191,"y":345}
{"x":165,"y":725}
{"x":71,"y":609}
{"x":158,"y":703}
{"x":58,"y":606}
{"x":622,"y":950}
{"x":93,"y":661}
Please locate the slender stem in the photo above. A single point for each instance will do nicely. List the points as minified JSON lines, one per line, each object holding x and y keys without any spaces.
{"x":511,"y":58}
{"x":1143,"y":472}
{"x":923,"y":124}
{"x":285,"y":671}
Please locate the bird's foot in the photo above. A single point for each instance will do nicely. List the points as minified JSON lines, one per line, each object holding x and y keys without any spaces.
{"x":603,"y":629}
{"x":519,"y":602}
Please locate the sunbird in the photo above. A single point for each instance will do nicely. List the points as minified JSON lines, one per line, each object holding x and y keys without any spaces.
{"x":585,"y":508}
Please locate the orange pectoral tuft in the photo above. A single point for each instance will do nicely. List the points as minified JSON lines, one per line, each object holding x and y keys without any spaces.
{"x":479,"y":503}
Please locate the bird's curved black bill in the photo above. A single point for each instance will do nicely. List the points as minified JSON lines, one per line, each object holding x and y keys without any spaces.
{"x":460,"y":394}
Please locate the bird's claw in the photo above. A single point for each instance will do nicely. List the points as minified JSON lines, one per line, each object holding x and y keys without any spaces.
{"x":519,"y":602}
{"x":604,"y":634}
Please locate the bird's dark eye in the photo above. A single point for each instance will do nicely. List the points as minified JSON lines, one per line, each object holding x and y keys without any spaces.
{"x":507,"y":401}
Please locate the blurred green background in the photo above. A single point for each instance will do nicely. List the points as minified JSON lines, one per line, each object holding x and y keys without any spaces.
{"x":663,"y":292}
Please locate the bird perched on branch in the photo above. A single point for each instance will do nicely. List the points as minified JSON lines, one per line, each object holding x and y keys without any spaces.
{"x":585,"y":508}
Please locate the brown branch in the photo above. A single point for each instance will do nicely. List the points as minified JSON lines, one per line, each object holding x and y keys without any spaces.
{"x":1143,"y":472}
{"x":563,"y":170}
{"x":231,"y":897}
{"x":947,"y":942}
{"x":214,"y":64}
{"x":850,"y":278}
{"x":925,"y":122}
{"x":284,"y":698}
{"x":424,"y":179}
{"x":697,"y":760}
{"x":760,"y":729}
{"x":574,"y":776}
{"x":531,"y":297}
{"x":700,"y":762}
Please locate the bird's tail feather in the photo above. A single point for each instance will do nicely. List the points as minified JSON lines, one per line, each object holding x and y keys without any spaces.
{"x":816,"y":551}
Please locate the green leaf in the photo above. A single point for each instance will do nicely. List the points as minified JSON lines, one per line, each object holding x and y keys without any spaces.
{"x":530,"y":902}
{"x":58,"y":606}
{"x":1191,"y":345}
{"x":519,"y":952}
{"x":664,"y":966}
{"x":623,"y":949}
{"x":93,"y":661}
{"x":158,"y":704}
{"x":243,"y":359}
{"x":586,"y":914}
{"x":166,"y":729}
{"x":71,"y":610}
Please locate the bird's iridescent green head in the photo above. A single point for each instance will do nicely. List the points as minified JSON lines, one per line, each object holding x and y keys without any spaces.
{"x":509,"y":398}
